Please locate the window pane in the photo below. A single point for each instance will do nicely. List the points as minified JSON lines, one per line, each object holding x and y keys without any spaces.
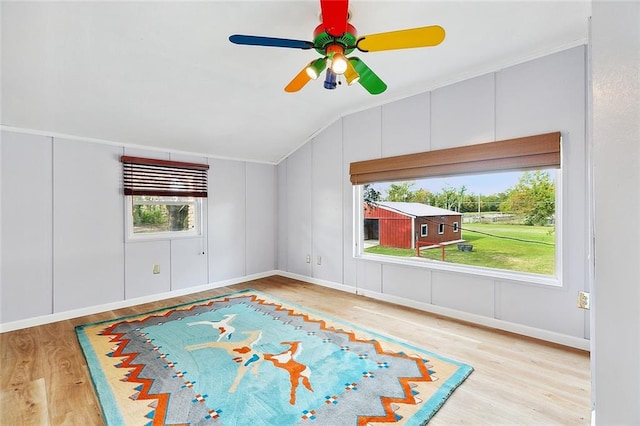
{"x":504,"y":221}
{"x":164,"y":214}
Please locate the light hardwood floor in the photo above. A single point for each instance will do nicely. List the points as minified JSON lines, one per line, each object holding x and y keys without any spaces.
{"x":517,"y":380}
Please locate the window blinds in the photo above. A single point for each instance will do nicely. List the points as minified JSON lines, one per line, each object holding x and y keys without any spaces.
{"x":147,"y":176}
{"x":531,"y":152}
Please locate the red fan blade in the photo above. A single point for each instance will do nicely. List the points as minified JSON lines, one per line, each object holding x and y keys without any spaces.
{"x":334,"y":16}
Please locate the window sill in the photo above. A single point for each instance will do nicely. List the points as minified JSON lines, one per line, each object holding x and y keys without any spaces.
{"x":520,"y":277}
{"x":161,"y":236}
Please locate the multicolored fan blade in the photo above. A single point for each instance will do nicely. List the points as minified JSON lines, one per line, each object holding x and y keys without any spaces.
{"x":298,"y":82}
{"x":270,"y":41}
{"x":402,"y":39}
{"x":334,"y":16}
{"x":368,"y":79}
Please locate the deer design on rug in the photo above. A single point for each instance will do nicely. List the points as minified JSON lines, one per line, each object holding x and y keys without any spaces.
{"x":244,"y":354}
{"x":222,"y":325}
{"x":297,"y":371}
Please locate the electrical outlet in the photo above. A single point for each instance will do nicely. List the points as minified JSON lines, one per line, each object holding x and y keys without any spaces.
{"x":308,"y":258}
{"x":583,"y":300}
{"x":156,"y":268}
{"x":319,"y":261}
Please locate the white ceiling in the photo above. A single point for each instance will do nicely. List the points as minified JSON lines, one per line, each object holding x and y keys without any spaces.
{"x":164,"y":74}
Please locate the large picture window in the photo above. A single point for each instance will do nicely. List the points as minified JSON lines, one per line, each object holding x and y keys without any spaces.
{"x":501,"y":216}
{"x":163,"y":198}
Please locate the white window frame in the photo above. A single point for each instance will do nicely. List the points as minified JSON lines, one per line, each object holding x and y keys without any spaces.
{"x":424,"y":230}
{"x":163,"y":201}
{"x":440,"y":228}
{"x":456,"y":227}
{"x":515,"y":276}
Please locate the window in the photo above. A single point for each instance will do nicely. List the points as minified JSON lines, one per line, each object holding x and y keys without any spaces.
{"x":424,"y":230}
{"x":163,"y":198}
{"x":163,"y":216}
{"x":495,"y":207}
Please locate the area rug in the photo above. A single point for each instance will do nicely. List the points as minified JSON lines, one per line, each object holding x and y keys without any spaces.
{"x":249,"y":358}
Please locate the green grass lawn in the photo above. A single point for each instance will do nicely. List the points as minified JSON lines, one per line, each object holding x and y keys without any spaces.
{"x":501,"y":249}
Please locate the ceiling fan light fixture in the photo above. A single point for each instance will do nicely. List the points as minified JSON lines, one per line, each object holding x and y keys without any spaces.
{"x":315,"y":68}
{"x":330,"y":80}
{"x":351,"y":75}
{"x":339,"y":63}
{"x":338,"y":60}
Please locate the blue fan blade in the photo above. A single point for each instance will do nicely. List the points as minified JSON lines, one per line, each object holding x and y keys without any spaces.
{"x":270,"y":41}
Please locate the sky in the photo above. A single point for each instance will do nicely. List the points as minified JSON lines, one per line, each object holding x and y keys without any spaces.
{"x":482,"y":184}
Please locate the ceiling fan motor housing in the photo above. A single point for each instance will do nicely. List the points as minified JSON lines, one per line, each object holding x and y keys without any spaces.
{"x":321,"y":39}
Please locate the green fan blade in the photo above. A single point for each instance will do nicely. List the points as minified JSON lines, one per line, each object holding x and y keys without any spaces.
{"x":368,"y":79}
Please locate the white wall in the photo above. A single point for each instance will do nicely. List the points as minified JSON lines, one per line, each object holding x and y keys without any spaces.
{"x":364,"y":133}
{"x":27,"y":233}
{"x":299,"y":210}
{"x":326,"y":194}
{"x":540,"y":96}
{"x":260,"y":219}
{"x":63,"y":228}
{"x":227,"y":207}
{"x":88,"y":224}
{"x":615,"y":48}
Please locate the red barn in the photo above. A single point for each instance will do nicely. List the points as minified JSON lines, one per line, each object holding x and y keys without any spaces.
{"x":400,"y":225}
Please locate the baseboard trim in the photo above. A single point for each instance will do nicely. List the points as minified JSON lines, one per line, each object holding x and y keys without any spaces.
{"x":75,"y":313}
{"x":324,"y":283}
{"x":536,"y":333}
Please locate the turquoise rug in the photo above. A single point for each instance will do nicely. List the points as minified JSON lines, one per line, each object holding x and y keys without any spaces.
{"x":249,"y":358}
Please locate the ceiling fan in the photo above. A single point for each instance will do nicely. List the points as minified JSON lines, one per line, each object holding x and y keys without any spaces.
{"x":335,"y":38}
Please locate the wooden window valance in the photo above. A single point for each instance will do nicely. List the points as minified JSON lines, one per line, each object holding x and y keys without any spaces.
{"x":531,"y":152}
{"x":148,"y":176}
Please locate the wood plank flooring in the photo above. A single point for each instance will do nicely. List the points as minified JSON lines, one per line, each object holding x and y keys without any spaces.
{"x":517,"y":380}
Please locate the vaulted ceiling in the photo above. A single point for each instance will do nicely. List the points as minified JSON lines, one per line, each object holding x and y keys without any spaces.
{"x":164,"y":74}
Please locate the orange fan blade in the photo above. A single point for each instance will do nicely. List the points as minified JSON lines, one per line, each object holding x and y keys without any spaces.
{"x":298,"y":82}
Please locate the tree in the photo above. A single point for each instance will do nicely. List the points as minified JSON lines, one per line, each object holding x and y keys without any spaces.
{"x":178,"y":217}
{"x":422,"y":196}
{"x":470,"y":203}
{"x":460,"y":196}
{"x":370,"y":195}
{"x":149,"y":215}
{"x":533,"y":198}
{"x":450,"y":198}
{"x":401,"y":192}
{"x":491,"y":203}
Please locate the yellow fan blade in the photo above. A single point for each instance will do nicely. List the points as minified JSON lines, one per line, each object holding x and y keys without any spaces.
{"x":402,"y":39}
{"x":298,"y":82}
